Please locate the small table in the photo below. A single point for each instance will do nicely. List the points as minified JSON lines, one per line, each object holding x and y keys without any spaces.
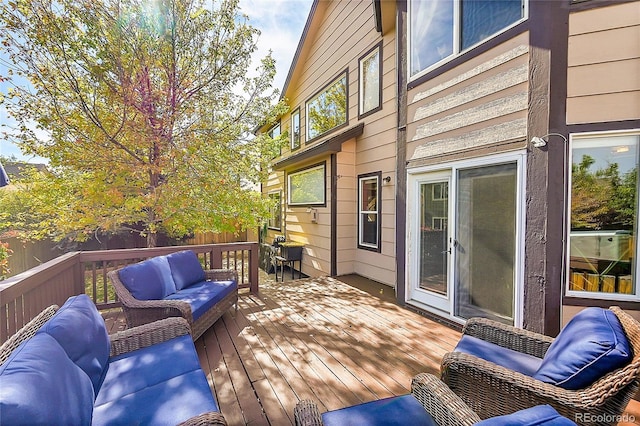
{"x":289,"y":254}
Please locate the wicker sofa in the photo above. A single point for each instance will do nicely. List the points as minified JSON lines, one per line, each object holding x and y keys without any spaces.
{"x":589,"y":371}
{"x":63,"y":368}
{"x":175,"y":285}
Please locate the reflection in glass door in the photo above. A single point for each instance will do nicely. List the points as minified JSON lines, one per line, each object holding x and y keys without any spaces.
{"x":486,"y":242}
{"x":434,"y":218}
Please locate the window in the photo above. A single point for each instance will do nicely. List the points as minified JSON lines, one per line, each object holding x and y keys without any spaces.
{"x":328,"y":109}
{"x":370,"y":66}
{"x":274,"y":133}
{"x":295,"y":129}
{"x":440,"y":29}
{"x":275,"y":211}
{"x":369,"y":211}
{"x":440,"y":191}
{"x":603,"y":215}
{"x":307,"y":186}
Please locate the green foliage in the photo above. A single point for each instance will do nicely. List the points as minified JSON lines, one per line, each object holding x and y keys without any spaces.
{"x":5,"y":252}
{"x":143,"y":110}
{"x":602,"y":199}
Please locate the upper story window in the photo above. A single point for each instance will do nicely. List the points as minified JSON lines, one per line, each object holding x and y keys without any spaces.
{"x":295,"y":129}
{"x":440,"y":29}
{"x":275,"y":132}
{"x":370,"y":68}
{"x":327,"y":110}
{"x":603,"y":213}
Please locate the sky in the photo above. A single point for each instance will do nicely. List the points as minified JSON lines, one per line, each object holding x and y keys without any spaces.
{"x":281,"y":23}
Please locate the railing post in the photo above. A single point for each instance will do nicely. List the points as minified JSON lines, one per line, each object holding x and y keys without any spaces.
{"x":253,"y":268}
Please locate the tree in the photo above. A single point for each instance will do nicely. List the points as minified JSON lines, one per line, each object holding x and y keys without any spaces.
{"x":146,"y":106}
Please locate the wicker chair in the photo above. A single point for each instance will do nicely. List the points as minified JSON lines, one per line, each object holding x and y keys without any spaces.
{"x":492,"y":390}
{"x":26,"y":332}
{"x":445,"y":407}
{"x":139,"y":312}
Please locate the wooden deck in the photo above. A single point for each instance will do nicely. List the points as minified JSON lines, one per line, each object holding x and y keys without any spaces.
{"x":319,"y":339}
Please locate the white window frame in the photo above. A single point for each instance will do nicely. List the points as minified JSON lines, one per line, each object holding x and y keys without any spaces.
{"x":376,"y":177}
{"x":377,"y":50}
{"x":573,"y":137}
{"x":457,"y":51}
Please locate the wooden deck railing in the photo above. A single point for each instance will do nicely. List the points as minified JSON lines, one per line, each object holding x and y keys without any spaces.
{"x":23,"y":296}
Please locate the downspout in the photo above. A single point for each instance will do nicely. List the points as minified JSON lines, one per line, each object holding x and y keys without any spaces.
{"x":334,"y":215}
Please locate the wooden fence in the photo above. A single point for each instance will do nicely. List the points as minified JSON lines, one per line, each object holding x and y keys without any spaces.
{"x":23,"y":296}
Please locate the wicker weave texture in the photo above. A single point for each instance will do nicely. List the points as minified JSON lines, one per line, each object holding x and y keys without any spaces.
{"x":139,"y":312}
{"x":492,"y":390}
{"x":26,"y":332}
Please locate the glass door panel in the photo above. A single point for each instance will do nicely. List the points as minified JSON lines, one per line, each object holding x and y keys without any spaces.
{"x":433,"y":244}
{"x":485,"y":242}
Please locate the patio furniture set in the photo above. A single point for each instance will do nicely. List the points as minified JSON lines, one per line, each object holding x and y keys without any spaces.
{"x":63,"y":367}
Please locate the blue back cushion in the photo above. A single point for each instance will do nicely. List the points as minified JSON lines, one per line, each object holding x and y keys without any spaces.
{"x":534,"y":416}
{"x":591,"y":345}
{"x":508,"y":358}
{"x":148,"y":280}
{"x":80,"y":330}
{"x":185,"y":268}
{"x":39,"y":384}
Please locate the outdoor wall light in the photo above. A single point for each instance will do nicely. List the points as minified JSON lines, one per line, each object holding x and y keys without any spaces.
{"x":387,"y":179}
{"x":540,"y":141}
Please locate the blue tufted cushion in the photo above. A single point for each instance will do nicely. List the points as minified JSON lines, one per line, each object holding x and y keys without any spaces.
{"x":534,"y":416}
{"x":39,"y":384}
{"x":148,"y":280}
{"x":203,"y":295}
{"x":79,"y":328}
{"x":185,"y":268}
{"x":591,"y":345}
{"x":148,"y":386}
{"x":508,"y":358}
{"x":397,"y":410}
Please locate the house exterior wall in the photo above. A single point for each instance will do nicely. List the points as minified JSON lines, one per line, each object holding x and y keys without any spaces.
{"x":338,"y":35}
{"x":603,"y":75}
{"x":476,"y":108}
{"x":603,"y":91}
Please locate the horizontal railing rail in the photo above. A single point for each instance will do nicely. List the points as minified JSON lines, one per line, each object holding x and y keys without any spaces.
{"x":25,"y":295}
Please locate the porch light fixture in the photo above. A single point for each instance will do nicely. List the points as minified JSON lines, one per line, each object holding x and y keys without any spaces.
{"x":387,"y":179}
{"x":540,"y":141}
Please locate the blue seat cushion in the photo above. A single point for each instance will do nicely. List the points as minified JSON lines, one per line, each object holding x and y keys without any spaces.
{"x":591,"y":345}
{"x":185,"y":268}
{"x":146,"y":367}
{"x":166,"y":403}
{"x":88,"y":349}
{"x":150,"y":279}
{"x":40,"y":385}
{"x":538,"y":415}
{"x":508,"y":358}
{"x":397,"y":410}
{"x":148,"y":386}
{"x":203,"y":295}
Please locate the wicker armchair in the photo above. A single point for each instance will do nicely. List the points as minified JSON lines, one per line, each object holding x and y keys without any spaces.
{"x":139,"y":312}
{"x":445,"y":407}
{"x":26,"y":332}
{"x":492,"y":390}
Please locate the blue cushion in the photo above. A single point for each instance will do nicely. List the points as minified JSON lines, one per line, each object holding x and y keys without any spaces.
{"x":148,"y":386}
{"x":79,"y":328}
{"x":508,"y":358}
{"x":143,"y":368}
{"x":397,"y":410}
{"x":203,"y":295}
{"x":538,"y":415}
{"x":148,"y":280}
{"x":591,"y":345}
{"x":185,"y":268}
{"x":167,"y":403}
{"x":39,"y":384}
